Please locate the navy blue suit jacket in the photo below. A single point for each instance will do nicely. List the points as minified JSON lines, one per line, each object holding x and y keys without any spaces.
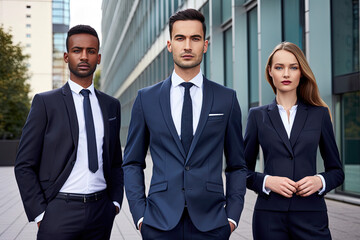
{"x":294,"y":158}
{"x":176,"y":178}
{"x":48,"y":147}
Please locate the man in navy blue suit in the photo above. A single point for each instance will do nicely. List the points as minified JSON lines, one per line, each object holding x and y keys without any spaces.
{"x":68,"y":167}
{"x":189,"y":123}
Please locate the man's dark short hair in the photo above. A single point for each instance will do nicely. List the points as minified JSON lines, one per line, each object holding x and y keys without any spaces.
{"x":78,"y":29}
{"x":187,"y":14}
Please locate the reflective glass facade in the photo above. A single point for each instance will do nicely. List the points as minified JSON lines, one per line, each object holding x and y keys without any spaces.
{"x":346,"y":86}
{"x":61,"y":19}
{"x":241,"y":36}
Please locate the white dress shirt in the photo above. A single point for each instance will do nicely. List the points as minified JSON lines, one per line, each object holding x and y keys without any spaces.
{"x":288,"y":124}
{"x":177,"y":92}
{"x":81,"y":180}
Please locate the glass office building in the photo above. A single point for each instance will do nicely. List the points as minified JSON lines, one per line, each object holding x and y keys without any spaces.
{"x":242,"y":34}
{"x":60,"y":20}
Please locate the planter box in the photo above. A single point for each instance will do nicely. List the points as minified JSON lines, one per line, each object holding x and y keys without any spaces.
{"x":8,"y":150}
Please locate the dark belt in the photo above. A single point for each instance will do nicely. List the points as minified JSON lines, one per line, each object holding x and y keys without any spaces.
{"x":92,"y":197}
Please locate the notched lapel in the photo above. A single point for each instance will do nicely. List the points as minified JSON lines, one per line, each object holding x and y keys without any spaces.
{"x":70,"y":106}
{"x":299,"y":122}
{"x":208,"y":97}
{"x":166,"y":110}
{"x":278,"y":125}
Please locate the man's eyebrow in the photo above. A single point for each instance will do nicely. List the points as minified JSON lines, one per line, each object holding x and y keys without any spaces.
{"x":195,"y":35}
{"x":76,"y":47}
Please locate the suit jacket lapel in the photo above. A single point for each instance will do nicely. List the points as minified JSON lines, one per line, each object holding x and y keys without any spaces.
{"x":166,"y":110}
{"x":278,"y":125}
{"x":70,"y":106}
{"x":208,"y":97}
{"x":299,"y":122}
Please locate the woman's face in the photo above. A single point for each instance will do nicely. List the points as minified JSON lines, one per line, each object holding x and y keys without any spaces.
{"x":285,"y":71}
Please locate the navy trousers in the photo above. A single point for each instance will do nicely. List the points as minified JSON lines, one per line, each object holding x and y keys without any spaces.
{"x":185,"y":230}
{"x":273,"y":225}
{"x":73,"y":220}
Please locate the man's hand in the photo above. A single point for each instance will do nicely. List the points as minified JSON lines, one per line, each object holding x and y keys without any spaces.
{"x":308,"y":186}
{"x":232,"y":226}
{"x":140,"y":226}
{"x":117,"y":209}
{"x":281,"y":185}
{"x":38,"y":224}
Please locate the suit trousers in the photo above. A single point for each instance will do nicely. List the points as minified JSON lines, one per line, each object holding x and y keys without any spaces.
{"x":294,"y":225}
{"x":74,"y":220}
{"x":185,"y":230}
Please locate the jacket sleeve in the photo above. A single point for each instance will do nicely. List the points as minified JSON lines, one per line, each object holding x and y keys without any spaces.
{"x":134,"y":161}
{"x":254,"y":179}
{"x":334,"y":174}
{"x":117,"y":175}
{"x":235,"y":164}
{"x":28,"y":160}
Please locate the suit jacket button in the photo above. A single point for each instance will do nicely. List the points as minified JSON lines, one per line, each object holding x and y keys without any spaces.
{"x":183,"y":189}
{"x":291,"y":158}
{"x":187,"y":168}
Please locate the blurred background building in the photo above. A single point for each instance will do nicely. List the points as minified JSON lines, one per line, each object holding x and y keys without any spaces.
{"x":241,"y":36}
{"x":40,"y":26}
{"x":60,"y":27}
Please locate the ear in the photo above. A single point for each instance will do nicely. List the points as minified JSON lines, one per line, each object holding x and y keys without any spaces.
{"x":269,"y":71}
{"x":206,"y":44}
{"x":66,"y":57}
{"x":169,"y":45}
{"x":99,"y":59}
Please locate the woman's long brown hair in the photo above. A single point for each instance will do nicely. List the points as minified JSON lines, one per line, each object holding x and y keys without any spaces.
{"x":307,"y":90}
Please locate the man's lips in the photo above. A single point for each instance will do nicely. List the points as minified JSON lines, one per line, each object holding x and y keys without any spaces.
{"x":84,"y":66}
{"x":187,"y":56}
{"x":286,"y":82}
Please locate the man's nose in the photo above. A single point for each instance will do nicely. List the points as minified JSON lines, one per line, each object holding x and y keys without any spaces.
{"x":84,"y":56}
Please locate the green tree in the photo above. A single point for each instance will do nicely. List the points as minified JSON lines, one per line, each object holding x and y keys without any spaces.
{"x":97,"y":78}
{"x":14,"y":99}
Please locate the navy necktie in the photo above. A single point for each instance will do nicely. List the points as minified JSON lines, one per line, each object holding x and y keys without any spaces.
{"x":187,"y":118}
{"x":90,"y":132}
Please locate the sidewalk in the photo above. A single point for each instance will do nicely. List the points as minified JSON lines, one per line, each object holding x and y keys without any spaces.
{"x":344,"y":218}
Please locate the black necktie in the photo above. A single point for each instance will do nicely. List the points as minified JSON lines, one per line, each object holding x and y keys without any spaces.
{"x":187,"y":118}
{"x":90,"y":132}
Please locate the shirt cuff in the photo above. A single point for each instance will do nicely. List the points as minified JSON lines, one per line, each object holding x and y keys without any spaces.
{"x":232,"y":221}
{"x":118,"y":205}
{"x":264,"y":189}
{"x":140,"y":221}
{"x":40,"y":217}
{"x":322,"y":190}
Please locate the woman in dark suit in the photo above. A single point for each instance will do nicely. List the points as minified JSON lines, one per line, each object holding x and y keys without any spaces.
{"x":290,"y":203}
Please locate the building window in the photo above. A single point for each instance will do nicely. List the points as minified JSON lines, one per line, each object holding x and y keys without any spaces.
{"x":28,"y":25}
{"x":253,"y":62}
{"x":28,"y":15}
{"x":346,"y":87}
{"x":28,"y":45}
{"x":228,"y":58}
{"x":225,"y":10}
{"x":350,"y":142}
{"x":28,"y":35}
{"x":293,"y":22}
{"x":28,"y":6}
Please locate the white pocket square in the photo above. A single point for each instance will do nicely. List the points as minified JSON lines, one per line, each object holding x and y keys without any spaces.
{"x":215,"y":114}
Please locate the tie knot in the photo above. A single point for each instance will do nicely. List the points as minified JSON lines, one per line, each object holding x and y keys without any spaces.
{"x":187,"y":85}
{"x":85,"y":92}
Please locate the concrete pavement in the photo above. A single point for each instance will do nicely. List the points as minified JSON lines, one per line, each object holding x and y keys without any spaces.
{"x":344,"y":218}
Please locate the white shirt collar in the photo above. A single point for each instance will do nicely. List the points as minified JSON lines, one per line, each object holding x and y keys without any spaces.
{"x":76,"y":88}
{"x":292,"y":108}
{"x":176,"y":80}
